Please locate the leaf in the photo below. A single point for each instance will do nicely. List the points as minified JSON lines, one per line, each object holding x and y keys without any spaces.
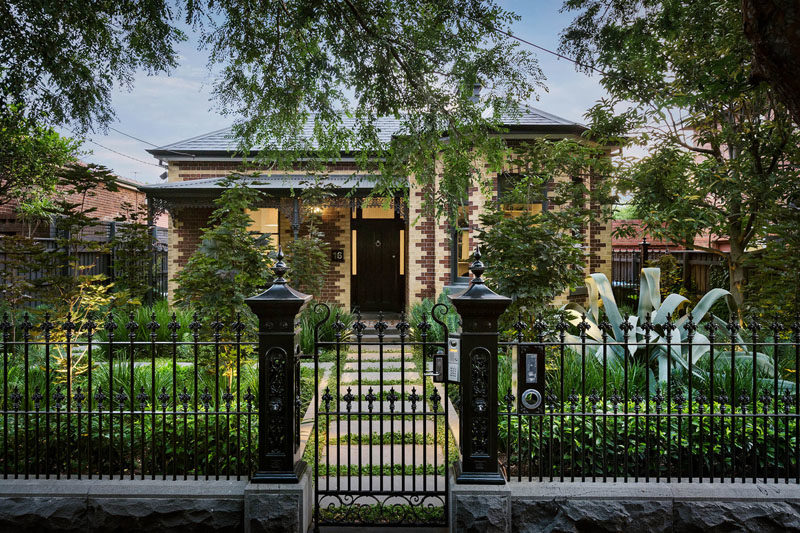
{"x":707,"y":302}
{"x":603,"y":287}
{"x":649,"y":292}
{"x":670,"y":306}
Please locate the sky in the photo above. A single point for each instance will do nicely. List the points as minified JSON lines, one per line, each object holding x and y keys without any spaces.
{"x":163,"y":109}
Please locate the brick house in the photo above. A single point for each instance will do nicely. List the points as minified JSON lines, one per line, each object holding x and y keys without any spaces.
{"x":385,"y":254}
{"x":108,"y":206}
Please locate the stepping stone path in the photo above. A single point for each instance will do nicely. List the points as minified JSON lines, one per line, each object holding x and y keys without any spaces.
{"x":387,"y":453}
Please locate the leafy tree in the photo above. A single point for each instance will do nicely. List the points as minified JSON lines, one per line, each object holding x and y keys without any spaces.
{"x":332,"y":68}
{"x":722,"y":149}
{"x":772,"y":27}
{"x":774,"y":270}
{"x":231,"y":263}
{"x":309,"y":261}
{"x":329,"y":68}
{"x":132,"y":248}
{"x":67,"y":288}
{"x":31,"y":156}
{"x":533,"y":259}
{"x":61,"y":60}
{"x":536,"y":256}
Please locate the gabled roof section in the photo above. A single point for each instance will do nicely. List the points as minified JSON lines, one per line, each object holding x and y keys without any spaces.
{"x":531,"y":116}
{"x":223,"y":141}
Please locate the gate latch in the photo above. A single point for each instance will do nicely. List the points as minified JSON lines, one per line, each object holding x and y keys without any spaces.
{"x":436,"y":369}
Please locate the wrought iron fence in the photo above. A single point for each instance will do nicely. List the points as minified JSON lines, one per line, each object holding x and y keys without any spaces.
{"x":646,"y":398}
{"x":662,"y":401}
{"x":86,"y":398}
{"x":149,"y":267}
{"x":695,"y":268}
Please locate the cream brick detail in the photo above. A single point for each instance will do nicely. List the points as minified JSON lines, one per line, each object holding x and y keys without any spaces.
{"x":173,"y":170}
{"x":414,"y":235}
{"x":173,"y":243}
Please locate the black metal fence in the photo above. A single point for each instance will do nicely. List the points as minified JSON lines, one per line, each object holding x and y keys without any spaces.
{"x":653,"y":398}
{"x":149,"y":266}
{"x":90,"y":399}
{"x":694,"y":268}
{"x":667,"y":401}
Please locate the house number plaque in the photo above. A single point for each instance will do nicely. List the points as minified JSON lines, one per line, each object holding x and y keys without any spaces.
{"x":337,"y":256}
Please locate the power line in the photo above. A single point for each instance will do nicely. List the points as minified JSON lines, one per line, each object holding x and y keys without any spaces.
{"x":147,"y":142}
{"x":131,"y":136}
{"x":123,"y":155}
{"x":542,"y":48}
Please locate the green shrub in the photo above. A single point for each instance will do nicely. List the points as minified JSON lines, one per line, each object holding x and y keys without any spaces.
{"x":309,"y":318}
{"x":421,"y":312}
{"x":625,"y":445}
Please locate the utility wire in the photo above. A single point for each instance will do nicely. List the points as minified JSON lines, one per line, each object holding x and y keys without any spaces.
{"x":147,"y":142}
{"x":124,"y":155}
{"x":538,"y":47}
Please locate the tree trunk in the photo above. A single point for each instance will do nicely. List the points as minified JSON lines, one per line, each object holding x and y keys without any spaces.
{"x":773,"y":28}
{"x":736,"y":273}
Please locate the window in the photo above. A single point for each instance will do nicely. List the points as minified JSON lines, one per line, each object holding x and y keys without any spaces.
{"x":460,"y":249}
{"x":375,"y":208}
{"x":514,"y":200}
{"x":265,"y":220}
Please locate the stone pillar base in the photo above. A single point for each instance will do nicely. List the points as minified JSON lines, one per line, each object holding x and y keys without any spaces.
{"x":479,"y":508}
{"x":278,"y":507}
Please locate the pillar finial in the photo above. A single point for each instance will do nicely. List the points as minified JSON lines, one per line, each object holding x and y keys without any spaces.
{"x":280,"y":269}
{"x":477,"y":267}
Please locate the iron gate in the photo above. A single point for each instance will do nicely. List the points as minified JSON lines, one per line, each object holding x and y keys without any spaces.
{"x":381,"y":425}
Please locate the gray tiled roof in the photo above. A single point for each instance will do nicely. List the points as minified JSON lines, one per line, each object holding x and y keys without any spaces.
{"x":224,"y":140}
{"x":530,"y":116}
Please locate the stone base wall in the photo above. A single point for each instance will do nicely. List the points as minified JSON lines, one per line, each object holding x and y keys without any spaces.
{"x":648,"y":507}
{"x":154,"y":505}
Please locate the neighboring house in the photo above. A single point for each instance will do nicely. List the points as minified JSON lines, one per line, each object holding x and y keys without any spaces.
{"x":384,"y":258}
{"x":108,"y":206}
{"x":704,"y":241}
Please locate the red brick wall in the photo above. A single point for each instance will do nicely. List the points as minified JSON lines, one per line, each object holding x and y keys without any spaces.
{"x":335,"y":236}
{"x":108,"y":205}
{"x":425,"y":252}
{"x":189,"y":222}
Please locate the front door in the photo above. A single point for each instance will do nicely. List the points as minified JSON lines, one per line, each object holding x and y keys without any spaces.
{"x":378,"y":266}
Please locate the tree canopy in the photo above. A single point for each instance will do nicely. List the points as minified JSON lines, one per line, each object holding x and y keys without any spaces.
{"x":284,"y":67}
{"x":232,"y":262}
{"x":31,"y":157}
{"x":723,"y":150}
{"x":59,"y":61}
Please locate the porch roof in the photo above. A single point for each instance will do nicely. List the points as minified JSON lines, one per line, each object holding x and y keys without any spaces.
{"x":274,"y":184}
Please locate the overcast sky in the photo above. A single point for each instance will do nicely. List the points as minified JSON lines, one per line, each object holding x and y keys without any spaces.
{"x":164,"y":109}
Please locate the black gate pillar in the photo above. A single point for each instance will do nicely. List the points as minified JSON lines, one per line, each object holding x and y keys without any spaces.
{"x":276,"y":309}
{"x":479,"y":307}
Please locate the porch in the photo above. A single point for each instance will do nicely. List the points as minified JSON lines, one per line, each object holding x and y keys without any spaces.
{"x":369,"y":238}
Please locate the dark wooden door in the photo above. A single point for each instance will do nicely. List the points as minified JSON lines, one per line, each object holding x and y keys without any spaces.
{"x":378,"y":266}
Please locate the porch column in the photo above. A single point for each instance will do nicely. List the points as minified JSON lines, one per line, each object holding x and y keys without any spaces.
{"x":278,"y":383}
{"x":480,"y":308}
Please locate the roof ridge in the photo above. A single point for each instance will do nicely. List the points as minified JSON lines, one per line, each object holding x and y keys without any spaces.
{"x":207,"y":134}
